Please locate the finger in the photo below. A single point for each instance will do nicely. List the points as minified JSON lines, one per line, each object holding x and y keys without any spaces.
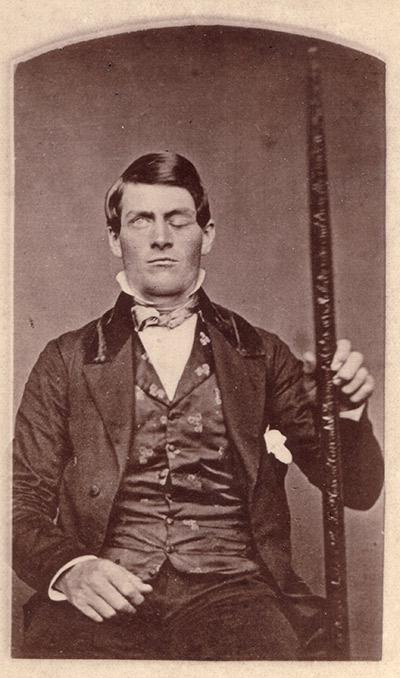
{"x":100,"y":606}
{"x":309,"y":362}
{"x":136,"y":597}
{"x":343,"y":349}
{"x":357,"y":381}
{"x":139,"y":583}
{"x":90,"y":612}
{"x":129,"y":585}
{"x":115,"y":599}
{"x":350,"y":368}
{"x":364,"y":392}
{"x":119,"y":576}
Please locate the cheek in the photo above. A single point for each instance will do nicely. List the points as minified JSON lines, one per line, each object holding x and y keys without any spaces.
{"x":132,"y":249}
{"x":193,"y":250}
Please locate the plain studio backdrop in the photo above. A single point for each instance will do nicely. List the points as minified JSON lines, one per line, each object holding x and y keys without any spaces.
{"x":233,"y":100}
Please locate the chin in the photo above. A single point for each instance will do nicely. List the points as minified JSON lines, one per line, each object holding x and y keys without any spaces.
{"x":165,"y":292}
{"x":165,"y":287}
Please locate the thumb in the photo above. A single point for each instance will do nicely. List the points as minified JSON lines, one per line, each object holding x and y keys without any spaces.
{"x":309,"y":362}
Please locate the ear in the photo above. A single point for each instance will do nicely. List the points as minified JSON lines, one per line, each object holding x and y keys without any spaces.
{"x":208,"y":238}
{"x":114,"y":243}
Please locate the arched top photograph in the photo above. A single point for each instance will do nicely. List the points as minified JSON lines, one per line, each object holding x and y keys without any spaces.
{"x":199,"y":347}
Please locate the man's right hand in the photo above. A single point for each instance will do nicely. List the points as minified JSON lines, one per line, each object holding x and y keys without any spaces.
{"x":101,"y":589}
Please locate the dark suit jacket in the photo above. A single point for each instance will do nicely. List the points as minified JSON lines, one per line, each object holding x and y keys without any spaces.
{"x":75,"y":427}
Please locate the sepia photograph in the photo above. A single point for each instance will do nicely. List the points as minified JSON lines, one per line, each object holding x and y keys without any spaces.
{"x":199,"y":332}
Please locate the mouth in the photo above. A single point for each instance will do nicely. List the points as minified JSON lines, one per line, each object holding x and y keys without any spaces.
{"x":163,"y":261}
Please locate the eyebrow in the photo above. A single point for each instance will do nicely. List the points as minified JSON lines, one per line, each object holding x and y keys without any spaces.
{"x":185,"y":211}
{"x":141,"y":213}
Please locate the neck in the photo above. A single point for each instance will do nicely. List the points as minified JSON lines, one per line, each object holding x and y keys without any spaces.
{"x":164,"y":303}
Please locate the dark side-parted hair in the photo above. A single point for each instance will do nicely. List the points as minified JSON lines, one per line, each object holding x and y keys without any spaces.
{"x":165,"y":168}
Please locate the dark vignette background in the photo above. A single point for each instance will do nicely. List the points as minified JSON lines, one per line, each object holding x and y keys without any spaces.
{"x":232,"y":100}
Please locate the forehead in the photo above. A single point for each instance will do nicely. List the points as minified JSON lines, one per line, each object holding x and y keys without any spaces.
{"x":155,"y":198}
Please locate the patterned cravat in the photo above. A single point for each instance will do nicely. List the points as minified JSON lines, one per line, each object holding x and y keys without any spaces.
{"x":146,"y":316}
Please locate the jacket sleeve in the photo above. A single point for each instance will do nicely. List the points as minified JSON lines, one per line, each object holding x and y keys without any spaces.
{"x":41,"y":450}
{"x":294,"y":416}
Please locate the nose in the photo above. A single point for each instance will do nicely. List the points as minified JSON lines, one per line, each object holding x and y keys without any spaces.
{"x":161,"y":234}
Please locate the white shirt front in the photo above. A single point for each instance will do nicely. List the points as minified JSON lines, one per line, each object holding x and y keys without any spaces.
{"x":168,"y":349}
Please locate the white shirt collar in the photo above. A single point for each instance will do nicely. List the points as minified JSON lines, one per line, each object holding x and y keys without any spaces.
{"x":122,"y":281}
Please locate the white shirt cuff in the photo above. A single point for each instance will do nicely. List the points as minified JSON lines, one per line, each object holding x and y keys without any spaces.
{"x":57,"y":595}
{"x":353,"y":414}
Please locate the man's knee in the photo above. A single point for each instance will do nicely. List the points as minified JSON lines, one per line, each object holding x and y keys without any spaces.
{"x":56,"y":630}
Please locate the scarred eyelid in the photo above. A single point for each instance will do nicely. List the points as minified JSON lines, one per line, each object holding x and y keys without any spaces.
{"x":174,"y":221}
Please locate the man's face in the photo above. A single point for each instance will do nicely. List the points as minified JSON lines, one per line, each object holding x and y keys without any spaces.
{"x":160,"y":241}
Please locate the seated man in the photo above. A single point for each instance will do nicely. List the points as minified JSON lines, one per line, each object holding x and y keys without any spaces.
{"x":149,"y":513}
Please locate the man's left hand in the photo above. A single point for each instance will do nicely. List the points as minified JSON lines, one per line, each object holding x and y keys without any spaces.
{"x":355,"y":382}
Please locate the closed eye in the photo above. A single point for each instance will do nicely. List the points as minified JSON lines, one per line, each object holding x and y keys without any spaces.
{"x":181,"y":217}
{"x":179,"y":220}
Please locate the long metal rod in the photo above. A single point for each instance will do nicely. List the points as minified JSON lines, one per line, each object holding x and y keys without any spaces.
{"x":325,"y":335}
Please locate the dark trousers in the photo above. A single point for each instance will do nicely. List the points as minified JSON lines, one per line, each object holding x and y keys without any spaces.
{"x":187,"y":616}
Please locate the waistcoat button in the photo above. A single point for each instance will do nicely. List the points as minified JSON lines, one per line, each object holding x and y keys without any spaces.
{"x":94,"y":490}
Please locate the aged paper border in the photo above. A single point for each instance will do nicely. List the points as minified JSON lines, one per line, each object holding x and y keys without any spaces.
{"x":373,"y":26}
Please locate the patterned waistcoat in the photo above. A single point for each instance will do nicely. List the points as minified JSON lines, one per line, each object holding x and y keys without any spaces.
{"x":178,"y":498}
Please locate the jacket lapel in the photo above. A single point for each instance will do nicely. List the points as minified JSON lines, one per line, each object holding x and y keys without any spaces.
{"x":239,"y":356}
{"x":241,"y":380}
{"x":109,"y":373}
{"x":241,"y":372}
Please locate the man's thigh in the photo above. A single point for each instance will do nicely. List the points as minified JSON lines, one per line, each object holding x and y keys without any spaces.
{"x":230,"y":619}
{"x":244,"y":621}
{"x":59,"y":630}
